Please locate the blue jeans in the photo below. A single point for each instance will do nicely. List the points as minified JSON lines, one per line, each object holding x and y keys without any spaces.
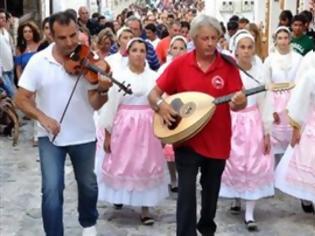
{"x":52,"y":160}
{"x":8,"y":83}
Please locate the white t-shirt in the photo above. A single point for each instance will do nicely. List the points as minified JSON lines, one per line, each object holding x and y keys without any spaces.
{"x":6,"y":55}
{"x":53,"y":86}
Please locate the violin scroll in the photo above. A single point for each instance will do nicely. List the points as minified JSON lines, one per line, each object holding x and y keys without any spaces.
{"x":125,"y":88}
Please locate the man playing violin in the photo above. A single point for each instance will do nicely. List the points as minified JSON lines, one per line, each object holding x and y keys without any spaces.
{"x":46,"y":77}
{"x":202,"y":70}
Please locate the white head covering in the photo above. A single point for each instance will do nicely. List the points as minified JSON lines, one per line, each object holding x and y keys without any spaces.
{"x":242,"y":36}
{"x":132,"y":41}
{"x":178,"y":37}
{"x":121,"y":30}
{"x":232,"y":39}
{"x":281,"y":28}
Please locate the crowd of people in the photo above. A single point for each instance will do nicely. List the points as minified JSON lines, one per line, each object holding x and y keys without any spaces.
{"x":251,"y":146}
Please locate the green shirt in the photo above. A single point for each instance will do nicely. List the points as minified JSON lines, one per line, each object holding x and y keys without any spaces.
{"x":302,"y":44}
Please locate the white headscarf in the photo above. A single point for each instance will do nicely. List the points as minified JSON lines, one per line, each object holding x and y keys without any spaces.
{"x":244,"y":34}
{"x":178,"y":37}
{"x":131,"y":41}
{"x":282,"y":61}
{"x":121,"y":30}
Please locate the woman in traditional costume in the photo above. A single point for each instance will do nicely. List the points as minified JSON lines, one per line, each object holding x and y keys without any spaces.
{"x":248,"y":174}
{"x":133,"y":171}
{"x":281,"y":68}
{"x":178,"y":47}
{"x":295,"y":174}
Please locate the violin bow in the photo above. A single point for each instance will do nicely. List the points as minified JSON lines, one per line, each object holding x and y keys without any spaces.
{"x":68,"y":103}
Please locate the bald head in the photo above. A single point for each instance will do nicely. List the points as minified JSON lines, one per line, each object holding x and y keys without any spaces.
{"x":84,"y":14}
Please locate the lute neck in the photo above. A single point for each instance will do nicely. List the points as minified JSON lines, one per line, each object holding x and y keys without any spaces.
{"x":248,"y":92}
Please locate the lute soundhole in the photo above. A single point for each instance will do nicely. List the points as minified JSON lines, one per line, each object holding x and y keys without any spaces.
{"x":187,"y":109}
{"x":184,"y":110}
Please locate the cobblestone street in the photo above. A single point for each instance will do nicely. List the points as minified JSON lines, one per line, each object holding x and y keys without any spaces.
{"x":20,"y":205}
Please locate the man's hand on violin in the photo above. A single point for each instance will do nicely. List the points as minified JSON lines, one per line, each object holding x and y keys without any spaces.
{"x":104,"y":83}
{"x":50,"y":124}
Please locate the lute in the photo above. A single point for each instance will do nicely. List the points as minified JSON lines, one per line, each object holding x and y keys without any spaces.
{"x":195,"y":110}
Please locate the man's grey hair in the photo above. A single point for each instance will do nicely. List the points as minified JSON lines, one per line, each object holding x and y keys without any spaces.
{"x":204,"y":20}
{"x":133,"y":18}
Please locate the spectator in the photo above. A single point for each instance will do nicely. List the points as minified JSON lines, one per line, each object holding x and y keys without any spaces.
{"x":84,"y":21}
{"x":6,"y":57}
{"x":163,"y":46}
{"x":285,"y":18}
{"x":150,"y":30}
{"x":242,"y":23}
{"x":300,"y":42}
{"x":47,"y":39}
{"x":27,"y":44}
{"x":184,"y":29}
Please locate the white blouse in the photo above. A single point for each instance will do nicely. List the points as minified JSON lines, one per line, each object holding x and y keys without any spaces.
{"x":281,"y":68}
{"x":303,"y":97}
{"x":263,"y":100}
{"x":140,"y":84}
{"x":308,"y":61}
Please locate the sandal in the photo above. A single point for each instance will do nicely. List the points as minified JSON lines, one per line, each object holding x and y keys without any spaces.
{"x":147,"y":220}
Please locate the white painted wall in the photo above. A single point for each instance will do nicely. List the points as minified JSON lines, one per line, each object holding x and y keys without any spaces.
{"x":257,"y":15}
{"x":215,"y":8}
{"x":45,"y":8}
{"x":290,"y":5}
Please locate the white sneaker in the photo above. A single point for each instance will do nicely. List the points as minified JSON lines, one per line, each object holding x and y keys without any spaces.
{"x":89,"y":231}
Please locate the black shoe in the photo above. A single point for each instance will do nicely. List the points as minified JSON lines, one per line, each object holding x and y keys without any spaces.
{"x":308,"y":208}
{"x":173,"y":189}
{"x":235,"y":210}
{"x":251,"y":225}
{"x":118,"y":206}
{"x":209,"y":234}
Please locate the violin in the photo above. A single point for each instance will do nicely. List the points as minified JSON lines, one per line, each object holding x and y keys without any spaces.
{"x":84,"y":61}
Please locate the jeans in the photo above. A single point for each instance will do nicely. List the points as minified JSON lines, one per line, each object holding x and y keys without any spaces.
{"x":188,"y":163}
{"x":8,"y":83}
{"x":52,"y":160}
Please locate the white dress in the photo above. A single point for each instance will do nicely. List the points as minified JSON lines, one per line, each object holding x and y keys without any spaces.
{"x":249,"y":173}
{"x":134,"y":172}
{"x":307,"y":62}
{"x":295,"y":174}
{"x":116,"y":62}
{"x":281,"y":68}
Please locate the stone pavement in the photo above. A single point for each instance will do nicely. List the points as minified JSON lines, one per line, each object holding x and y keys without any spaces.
{"x":20,"y":205}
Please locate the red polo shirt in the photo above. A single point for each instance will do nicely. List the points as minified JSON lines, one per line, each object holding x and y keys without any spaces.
{"x":222,"y":78}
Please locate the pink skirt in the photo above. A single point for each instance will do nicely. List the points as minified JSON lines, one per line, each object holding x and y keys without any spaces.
{"x":281,"y":133}
{"x":100,"y":153}
{"x":136,"y":161}
{"x":296,"y":172}
{"x":248,"y":173}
